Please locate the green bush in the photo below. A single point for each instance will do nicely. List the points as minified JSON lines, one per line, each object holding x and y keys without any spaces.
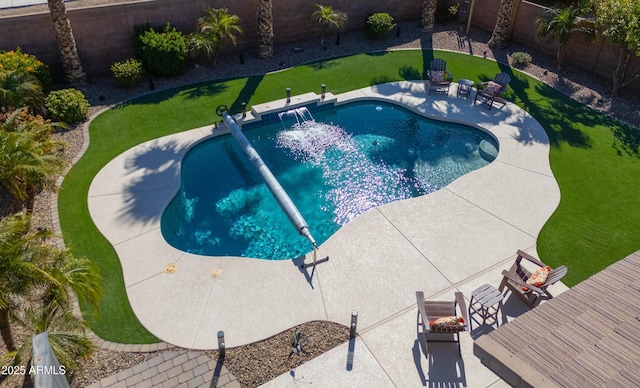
{"x":67,"y":105}
{"x":164,"y":53}
{"x":23,"y":63}
{"x":520,"y":59}
{"x":378,"y":25}
{"x":128,"y":73}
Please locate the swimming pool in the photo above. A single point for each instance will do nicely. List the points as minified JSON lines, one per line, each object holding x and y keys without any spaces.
{"x":367,"y":154}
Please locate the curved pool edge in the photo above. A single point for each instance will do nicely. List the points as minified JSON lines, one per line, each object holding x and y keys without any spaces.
{"x":513,"y":196}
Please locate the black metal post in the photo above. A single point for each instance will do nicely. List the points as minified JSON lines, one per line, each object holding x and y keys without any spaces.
{"x":221,"y":343}
{"x":244,"y":109}
{"x":323,"y":87}
{"x":288,"y":90}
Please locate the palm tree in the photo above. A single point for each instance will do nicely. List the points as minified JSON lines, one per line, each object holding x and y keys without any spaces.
{"x":500,"y":34}
{"x":265,"y":28}
{"x":212,"y":30}
{"x":65,"y":331}
{"x":328,"y":18}
{"x":66,"y":43}
{"x":29,"y":159}
{"x":30,"y":263}
{"x":561,"y":23}
{"x":19,"y":89}
{"x":428,"y":14}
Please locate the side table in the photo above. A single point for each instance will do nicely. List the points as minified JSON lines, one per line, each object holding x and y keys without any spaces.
{"x":464,"y":88}
{"x":486,"y":301}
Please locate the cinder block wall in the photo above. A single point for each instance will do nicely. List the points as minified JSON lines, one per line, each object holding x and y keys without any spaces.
{"x":104,"y":33}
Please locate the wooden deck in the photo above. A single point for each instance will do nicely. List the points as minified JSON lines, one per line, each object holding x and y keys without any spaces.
{"x":585,"y":337}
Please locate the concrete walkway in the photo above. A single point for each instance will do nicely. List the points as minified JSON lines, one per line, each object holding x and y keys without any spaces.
{"x":455,"y":239}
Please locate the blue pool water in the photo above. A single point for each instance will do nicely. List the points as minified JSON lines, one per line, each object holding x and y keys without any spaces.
{"x":367,"y":155}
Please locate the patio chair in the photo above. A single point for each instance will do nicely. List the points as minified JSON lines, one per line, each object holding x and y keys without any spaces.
{"x":439,"y":78}
{"x":515,"y":279}
{"x":430,"y":311}
{"x":490,"y":91}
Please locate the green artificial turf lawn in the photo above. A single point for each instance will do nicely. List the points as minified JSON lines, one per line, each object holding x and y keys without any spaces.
{"x":596,"y":161}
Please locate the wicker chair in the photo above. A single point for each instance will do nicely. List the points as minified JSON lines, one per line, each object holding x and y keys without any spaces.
{"x":515,"y":279}
{"x":490,"y":91}
{"x":439,"y":78}
{"x":429,"y":311}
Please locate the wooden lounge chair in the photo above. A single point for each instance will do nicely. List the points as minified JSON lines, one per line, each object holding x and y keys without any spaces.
{"x":490,"y":91}
{"x":429,"y":311}
{"x":439,"y":78}
{"x":516,"y":280}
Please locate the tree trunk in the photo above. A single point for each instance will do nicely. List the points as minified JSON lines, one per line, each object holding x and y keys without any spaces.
{"x":265,"y":28}
{"x":500,"y":34}
{"x":5,"y":331}
{"x":619,"y":71}
{"x":428,"y":14}
{"x":66,"y":43}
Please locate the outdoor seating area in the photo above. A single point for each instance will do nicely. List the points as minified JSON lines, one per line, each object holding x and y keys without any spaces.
{"x":585,"y":337}
{"x":437,"y":319}
{"x":489,"y":92}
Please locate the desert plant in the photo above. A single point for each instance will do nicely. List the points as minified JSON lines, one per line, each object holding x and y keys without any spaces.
{"x":23,"y":63}
{"x":31,"y":159}
{"x":328,"y":18}
{"x":520,"y":59}
{"x":18,"y":89}
{"x":378,"y":25}
{"x":163,"y":53}
{"x":561,"y":23}
{"x":212,"y":30}
{"x":67,"y":105}
{"x":128,"y":73}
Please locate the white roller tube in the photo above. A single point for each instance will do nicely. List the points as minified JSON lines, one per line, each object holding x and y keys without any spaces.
{"x":274,"y":186}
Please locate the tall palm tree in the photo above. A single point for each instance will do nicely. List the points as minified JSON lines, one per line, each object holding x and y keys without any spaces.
{"x":265,"y":28}
{"x":329,"y":19}
{"x":428,"y":18}
{"x":19,"y":89}
{"x":561,"y":23}
{"x":212,"y":30}
{"x":500,"y":34}
{"x":30,"y":160}
{"x":30,"y":263}
{"x":66,"y":43}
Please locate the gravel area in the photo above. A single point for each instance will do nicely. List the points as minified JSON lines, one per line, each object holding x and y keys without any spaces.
{"x":262,"y":361}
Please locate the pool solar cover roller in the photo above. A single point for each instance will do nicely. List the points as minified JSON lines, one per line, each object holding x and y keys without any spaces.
{"x":274,"y":186}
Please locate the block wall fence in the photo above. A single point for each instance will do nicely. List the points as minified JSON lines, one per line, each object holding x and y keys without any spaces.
{"x":104,"y":33}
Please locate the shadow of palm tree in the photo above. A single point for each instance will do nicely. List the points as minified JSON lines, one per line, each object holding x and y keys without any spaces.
{"x":409,"y":73}
{"x":158,"y":169}
{"x":323,"y":64}
{"x":380,"y":80}
{"x":248,"y":90}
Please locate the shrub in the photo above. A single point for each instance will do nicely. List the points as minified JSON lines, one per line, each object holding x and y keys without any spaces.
{"x":164,"y":53}
{"x":23,"y":63}
{"x":67,"y":105}
{"x":378,"y":25}
{"x":520,"y":59}
{"x":128,"y":73}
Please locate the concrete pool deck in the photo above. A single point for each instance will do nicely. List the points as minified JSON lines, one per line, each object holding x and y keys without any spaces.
{"x":452,"y":240}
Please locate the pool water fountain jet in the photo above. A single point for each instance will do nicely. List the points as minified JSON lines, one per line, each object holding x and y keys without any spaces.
{"x":299,"y":114}
{"x":272,"y":183}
